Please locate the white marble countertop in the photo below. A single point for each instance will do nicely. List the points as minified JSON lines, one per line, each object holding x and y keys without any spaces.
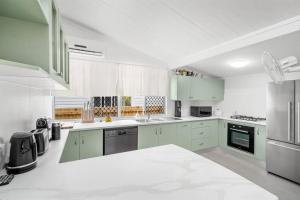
{"x":131,"y":122}
{"x":160,"y":173}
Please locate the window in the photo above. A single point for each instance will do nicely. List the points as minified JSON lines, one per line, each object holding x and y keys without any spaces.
{"x":105,"y":106}
{"x":131,"y":105}
{"x":68,"y":107}
{"x":71,"y":107}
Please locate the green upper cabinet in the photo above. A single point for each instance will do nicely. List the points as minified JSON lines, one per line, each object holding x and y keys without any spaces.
{"x":32,"y":38}
{"x":260,"y":142}
{"x":196,"y":88}
{"x":184,"y":84}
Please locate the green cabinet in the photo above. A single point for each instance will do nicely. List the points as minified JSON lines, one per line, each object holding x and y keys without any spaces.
{"x":91,"y":144}
{"x":222,"y":133}
{"x":71,"y":148}
{"x":167,"y":134}
{"x":83,"y":144}
{"x":32,"y":38}
{"x":196,"y":88}
{"x":147,"y":136}
{"x":204,"y":134}
{"x":154,"y":135}
{"x":260,"y":142}
{"x":184,"y":135}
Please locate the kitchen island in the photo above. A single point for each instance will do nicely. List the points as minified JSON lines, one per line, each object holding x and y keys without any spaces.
{"x":164,"y":172}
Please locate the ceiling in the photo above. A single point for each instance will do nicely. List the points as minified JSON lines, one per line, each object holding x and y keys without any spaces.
{"x":280,"y":47}
{"x":171,"y":30}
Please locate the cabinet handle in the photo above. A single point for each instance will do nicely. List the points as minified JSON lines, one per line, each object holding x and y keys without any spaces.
{"x":156,"y":131}
{"x":201,"y":133}
{"x":82,"y":141}
{"x":160,"y":131}
{"x":185,"y":125}
{"x":201,"y":143}
{"x":257,"y":131}
{"x":75,"y":141}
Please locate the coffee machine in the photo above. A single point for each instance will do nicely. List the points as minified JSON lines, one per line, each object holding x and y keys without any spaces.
{"x":177,"y":108}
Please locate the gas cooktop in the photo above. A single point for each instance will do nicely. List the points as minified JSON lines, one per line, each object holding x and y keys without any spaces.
{"x":247,"y":118}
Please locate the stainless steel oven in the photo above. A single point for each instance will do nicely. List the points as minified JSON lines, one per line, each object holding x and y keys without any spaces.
{"x":241,"y":137}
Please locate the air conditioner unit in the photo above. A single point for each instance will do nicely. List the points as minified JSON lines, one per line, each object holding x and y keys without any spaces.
{"x":83,"y":50}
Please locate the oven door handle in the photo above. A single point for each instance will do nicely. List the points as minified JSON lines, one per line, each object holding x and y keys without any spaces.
{"x":239,"y":130}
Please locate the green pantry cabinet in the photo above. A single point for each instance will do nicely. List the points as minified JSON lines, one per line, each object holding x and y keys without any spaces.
{"x":196,"y":88}
{"x":32,"y":38}
{"x":83,"y":144}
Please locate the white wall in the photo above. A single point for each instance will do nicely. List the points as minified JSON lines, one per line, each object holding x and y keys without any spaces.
{"x":245,"y":95}
{"x":20,"y":106}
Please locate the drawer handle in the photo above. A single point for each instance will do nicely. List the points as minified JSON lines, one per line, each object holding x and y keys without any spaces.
{"x":201,"y":133}
{"x":201,"y":144}
{"x":185,"y":125}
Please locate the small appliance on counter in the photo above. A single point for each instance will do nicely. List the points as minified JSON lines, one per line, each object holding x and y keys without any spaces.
{"x":44,"y":123}
{"x":177,"y":108}
{"x":23,"y":153}
{"x":42,"y":140}
{"x":55,"y":129}
{"x":201,"y":111}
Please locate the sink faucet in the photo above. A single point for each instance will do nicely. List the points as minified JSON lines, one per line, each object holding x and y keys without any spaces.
{"x":148,"y":116}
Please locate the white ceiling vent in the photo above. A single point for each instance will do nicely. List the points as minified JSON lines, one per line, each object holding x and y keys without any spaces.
{"x":83,"y":50}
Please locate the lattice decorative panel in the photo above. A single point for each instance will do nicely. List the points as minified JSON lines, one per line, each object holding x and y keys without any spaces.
{"x":104,"y":106}
{"x":155,"y":104}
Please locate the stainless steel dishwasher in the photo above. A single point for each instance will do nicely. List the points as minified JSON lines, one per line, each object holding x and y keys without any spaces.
{"x":117,"y":140}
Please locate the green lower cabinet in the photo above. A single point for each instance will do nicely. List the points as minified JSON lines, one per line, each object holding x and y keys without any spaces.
{"x":91,"y":144}
{"x":154,"y":135}
{"x":260,"y":142}
{"x":183,"y":133}
{"x":205,"y":135}
{"x":167,"y":134}
{"x":71,"y":148}
{"x":83,"y":144}
{"x":222,"y":133}
{"x":147,"y":136}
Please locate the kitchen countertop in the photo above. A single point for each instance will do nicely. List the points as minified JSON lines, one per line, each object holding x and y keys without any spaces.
{"x":164,"y":172}
{"x":132,"y":122}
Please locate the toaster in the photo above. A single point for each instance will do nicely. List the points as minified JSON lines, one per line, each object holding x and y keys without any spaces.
{"x":23,"y":153}
{"x":42,"y":140}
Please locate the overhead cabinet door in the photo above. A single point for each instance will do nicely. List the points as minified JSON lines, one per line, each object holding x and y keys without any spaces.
{"x":280,"y":111}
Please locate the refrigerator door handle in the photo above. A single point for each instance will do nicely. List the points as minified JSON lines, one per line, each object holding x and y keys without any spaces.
{"x":289,"y":121}
{"x":298,"y":122}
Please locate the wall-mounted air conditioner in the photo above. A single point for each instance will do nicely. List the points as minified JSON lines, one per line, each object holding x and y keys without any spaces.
{"x":83,"y":50}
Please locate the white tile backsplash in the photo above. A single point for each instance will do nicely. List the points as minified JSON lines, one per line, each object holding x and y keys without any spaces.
{"x":20,"y":106}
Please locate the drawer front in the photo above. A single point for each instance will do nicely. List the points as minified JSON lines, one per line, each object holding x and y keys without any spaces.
{"x":201,"y":124}
{"x":202,"y":143}
{"x":201,"y":132}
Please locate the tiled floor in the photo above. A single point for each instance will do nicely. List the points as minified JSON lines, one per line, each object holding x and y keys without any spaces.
{"x":255,"y":172}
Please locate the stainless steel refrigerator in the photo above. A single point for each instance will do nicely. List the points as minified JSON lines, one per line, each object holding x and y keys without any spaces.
{"x":283,"y":129}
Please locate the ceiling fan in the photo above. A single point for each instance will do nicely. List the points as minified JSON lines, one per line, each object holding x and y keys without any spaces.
{"x":278,"y":68}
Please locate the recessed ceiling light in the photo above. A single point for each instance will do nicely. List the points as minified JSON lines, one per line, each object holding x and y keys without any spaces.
{"x":239,"y":63}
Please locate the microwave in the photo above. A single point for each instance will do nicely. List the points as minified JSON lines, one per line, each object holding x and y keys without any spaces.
{"x":201,"y":111}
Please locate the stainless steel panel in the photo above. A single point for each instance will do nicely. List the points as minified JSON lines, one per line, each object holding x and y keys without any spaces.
{"x":297,"y":112}
{"x":283,"y":159}
{"x":280,"y":111}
